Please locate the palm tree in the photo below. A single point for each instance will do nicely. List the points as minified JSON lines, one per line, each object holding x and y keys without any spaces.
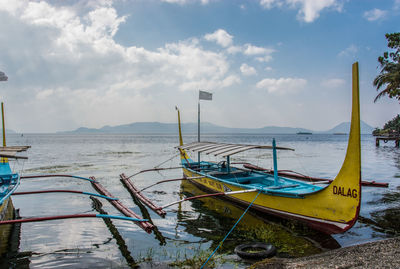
{"x":390,"y":72}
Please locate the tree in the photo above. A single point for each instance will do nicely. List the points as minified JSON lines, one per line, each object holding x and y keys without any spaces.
{"x":389,"y":76}
{"x":393,"y":125}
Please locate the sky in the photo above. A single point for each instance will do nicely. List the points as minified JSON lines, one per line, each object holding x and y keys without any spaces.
{"x":286,"y":63}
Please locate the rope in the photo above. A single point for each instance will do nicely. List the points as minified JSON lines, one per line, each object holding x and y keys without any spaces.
{"x":226,"y":236}
{"x":158,"y":165}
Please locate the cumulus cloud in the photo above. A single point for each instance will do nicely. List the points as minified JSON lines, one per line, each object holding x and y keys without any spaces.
{"x":282,"y":85}
{"x":224,"y":39}
{"x":247,"y":70}
{"x":333,"y":83}
{"x":73,"y":63}
{"x":396,"y":4}
{"x":221,"y":37}
{"x":308,"y":10}
{"x":375,"y":14}
{"x":182,"y":2}
{"x":349,"y":51}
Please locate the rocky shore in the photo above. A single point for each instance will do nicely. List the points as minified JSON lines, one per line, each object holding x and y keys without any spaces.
{"x":379,"y":254}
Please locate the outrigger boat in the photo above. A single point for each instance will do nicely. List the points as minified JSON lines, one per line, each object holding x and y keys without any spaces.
{"x":328,"y":205}
{"x":333,"y":208}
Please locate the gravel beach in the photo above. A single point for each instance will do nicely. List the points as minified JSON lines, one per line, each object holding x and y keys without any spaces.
{"x":379,"y":254}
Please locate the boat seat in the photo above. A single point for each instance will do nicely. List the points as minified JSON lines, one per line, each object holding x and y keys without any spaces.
{"x":283,"y":186}
{"x":226,"y":174}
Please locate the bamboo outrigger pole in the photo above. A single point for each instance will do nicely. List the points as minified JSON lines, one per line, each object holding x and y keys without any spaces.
{"x":67,"y":191}
{"x":70,"y":217}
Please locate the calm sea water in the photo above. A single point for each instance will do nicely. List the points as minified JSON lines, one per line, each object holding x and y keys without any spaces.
{"x":190,"y":229}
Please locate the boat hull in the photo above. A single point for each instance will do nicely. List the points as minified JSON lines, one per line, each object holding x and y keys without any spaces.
{"x":6,"y":213}
{"x":268,"y":204}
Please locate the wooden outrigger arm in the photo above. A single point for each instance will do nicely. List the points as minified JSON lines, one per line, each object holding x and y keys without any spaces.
{"x":144,"y":224}
{"x":134,"y":191}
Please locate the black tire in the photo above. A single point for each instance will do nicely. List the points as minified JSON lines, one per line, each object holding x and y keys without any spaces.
{"x":266,"y":250}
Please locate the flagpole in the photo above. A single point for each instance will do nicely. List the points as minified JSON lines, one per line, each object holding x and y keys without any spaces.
{"x":202,"y":96}
{"x":198,"y":128}
{"x":198,"y":122}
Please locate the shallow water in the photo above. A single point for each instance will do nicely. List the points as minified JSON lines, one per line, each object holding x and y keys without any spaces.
{"x":192,"y":228}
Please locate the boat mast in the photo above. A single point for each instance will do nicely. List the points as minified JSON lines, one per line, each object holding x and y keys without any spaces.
{"x":3,"y":77}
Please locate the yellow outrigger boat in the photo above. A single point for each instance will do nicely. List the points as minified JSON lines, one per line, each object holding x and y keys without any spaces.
{"x":332,"y":209}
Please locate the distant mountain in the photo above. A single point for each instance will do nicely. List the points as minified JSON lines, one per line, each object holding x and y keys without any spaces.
{"x":167,"y":128}
{"x":344,"y":127}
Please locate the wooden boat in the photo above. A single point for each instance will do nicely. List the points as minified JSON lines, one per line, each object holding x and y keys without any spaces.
{"x":333,"y":208}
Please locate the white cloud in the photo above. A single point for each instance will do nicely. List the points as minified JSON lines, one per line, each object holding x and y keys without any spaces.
{"x":234,"y":49}
{"x":268,"y":4}
{"x":349,"y":51}
{"x":396,"y":4}
{"x":265,"y":58}
{"x":225,"y":40}
{"x":254,"y":50}
{"x":282,"y":85}
{"x":72,"y":63}
{"x":375,"y":14}
{"x":309,"y":10}
{"x":333,"y":83}
{"x":182,"y":2}
{"x":221,"y":37}
{"x":247,"y":70}
{"x":263,"y":54}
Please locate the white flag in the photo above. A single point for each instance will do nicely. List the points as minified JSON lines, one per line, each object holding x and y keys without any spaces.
{"x":205,"y":95}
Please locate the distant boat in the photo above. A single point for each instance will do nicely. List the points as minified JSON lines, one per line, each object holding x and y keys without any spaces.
{"x":304,"y":133}
{"x":339,"y":133}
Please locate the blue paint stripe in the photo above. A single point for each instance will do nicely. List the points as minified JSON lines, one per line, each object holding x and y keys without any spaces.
{"x":84,"y":178}
{"x":10,"y":192}
{"x":120,"y":217}
{"x":99,"y":195}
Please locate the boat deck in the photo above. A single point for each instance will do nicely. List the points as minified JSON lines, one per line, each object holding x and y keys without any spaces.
{"x":250,"y":179}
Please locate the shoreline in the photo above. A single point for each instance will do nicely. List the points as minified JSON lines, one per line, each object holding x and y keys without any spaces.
{"x":379,"y":254}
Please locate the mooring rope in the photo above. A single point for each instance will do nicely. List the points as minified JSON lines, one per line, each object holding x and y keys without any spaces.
{"x":226,"y":236}
{"x":158,"y":165}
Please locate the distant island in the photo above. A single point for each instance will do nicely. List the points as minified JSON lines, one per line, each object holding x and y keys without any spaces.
{"x":171,"y":128}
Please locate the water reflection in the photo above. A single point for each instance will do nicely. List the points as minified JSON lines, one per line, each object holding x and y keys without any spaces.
{"x":386,"y":220}
{"x":215,"y":217}
{"x":10,"y":236}
{"x":98,"y":206}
